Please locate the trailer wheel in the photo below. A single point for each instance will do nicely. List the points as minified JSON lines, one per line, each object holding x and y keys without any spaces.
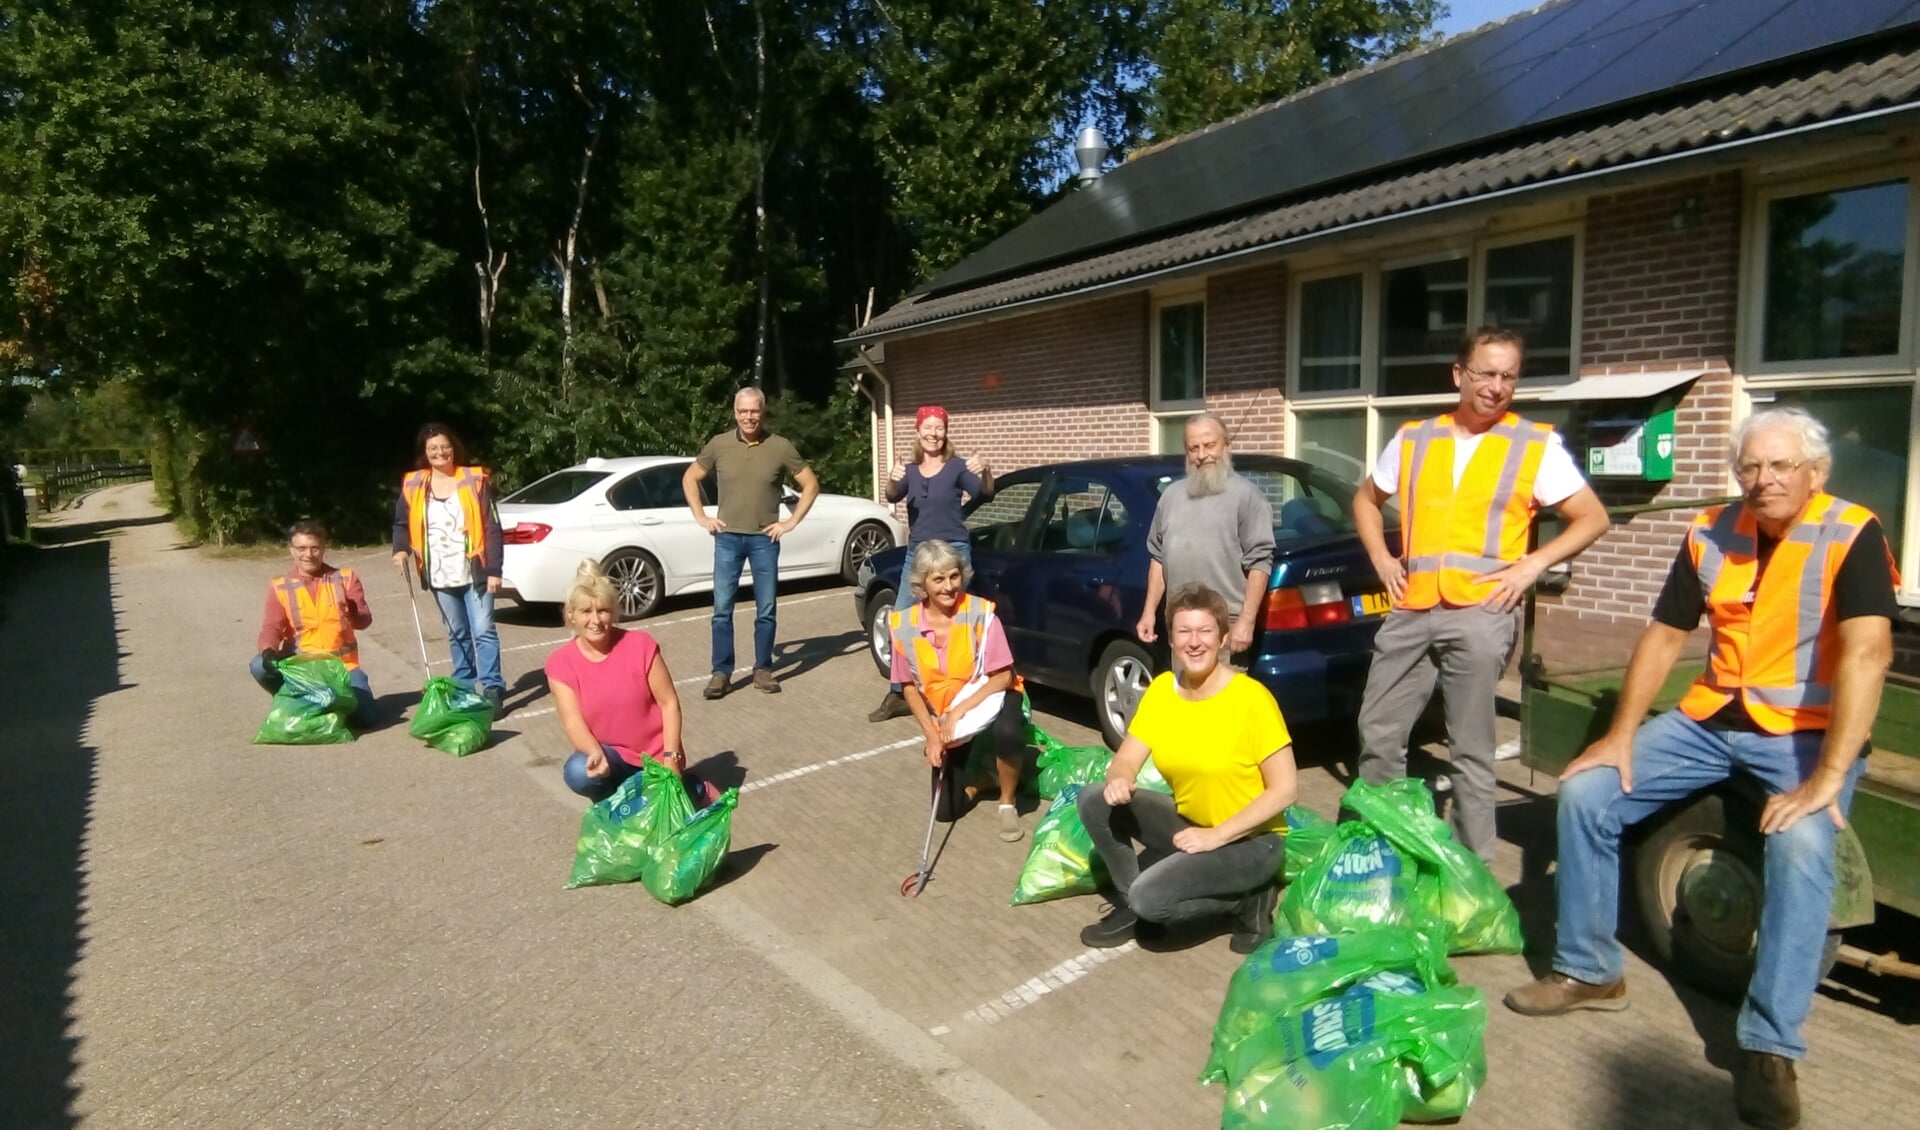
{"x":1698,"y":881}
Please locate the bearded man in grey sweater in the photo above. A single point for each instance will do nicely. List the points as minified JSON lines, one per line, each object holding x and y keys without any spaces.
{"x":1213,"y":527}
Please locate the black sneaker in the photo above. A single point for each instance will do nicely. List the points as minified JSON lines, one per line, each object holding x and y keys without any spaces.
{"x":1116,"y":929}
{"x":892,"y":706}
{"x":1253,"y":919}
{"x":498,"y":697}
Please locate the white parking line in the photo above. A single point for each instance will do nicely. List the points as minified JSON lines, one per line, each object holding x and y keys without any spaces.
{"x":819,"y":765}
{"x":1033,"y":988}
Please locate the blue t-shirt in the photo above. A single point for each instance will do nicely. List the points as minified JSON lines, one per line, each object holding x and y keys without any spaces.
{"x":933,"y":504}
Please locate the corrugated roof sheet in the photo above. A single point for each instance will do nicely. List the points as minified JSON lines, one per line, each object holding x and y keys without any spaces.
{"x":1828,"y":96}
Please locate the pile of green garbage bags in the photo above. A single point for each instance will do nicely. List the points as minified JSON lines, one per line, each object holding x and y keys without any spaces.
{"x":1396,"y":865}
{"x":1351,"y":1017}
{"x":452,"y":718}
{"x":649,"y":830}
{"x":312,"y":706}
{"x":1062,"y":862}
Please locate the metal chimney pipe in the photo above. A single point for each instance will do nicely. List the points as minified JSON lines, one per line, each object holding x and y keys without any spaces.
{"x":1090,"y":150}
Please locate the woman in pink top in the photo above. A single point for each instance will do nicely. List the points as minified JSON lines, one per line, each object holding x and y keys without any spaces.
{"x":615,"y":697}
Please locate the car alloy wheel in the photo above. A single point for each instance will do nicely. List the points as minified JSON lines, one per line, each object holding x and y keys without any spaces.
{"x":636,"y":583}
{"x":867,"y":539}
{"x":1123,"y":675}
{"x":879,"y":639}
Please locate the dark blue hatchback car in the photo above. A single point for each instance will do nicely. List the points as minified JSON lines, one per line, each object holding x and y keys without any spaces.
{"x":1062,"y":550}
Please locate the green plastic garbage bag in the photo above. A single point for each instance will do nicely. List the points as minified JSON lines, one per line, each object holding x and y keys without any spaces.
{"x":1289,"y":973}
{"x":1465,"y":893}
{"x":613,"y":838}
{"x":686,"y":858}
{"x":1062,"y":861}
{"x":1385,"y":1049}
{"x":1357,"y":881}
{"x":1308,"y":833}
{"x":1063,"y":765}
{"x":312,"y":706}
{"x":452,"y":718}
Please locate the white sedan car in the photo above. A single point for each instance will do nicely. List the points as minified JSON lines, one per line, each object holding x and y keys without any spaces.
{"x":631,"y":516}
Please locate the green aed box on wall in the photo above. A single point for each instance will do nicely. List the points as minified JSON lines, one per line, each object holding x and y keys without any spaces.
{"x":1629,"y":434}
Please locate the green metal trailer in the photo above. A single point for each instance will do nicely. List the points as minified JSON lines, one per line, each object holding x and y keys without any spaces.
{"x":1695,"y":870}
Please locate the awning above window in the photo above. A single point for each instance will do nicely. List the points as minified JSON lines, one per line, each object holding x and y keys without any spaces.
{"x":1623,"y":386}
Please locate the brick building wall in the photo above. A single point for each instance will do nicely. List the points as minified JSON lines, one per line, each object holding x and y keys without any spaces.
{"x":1661,"y":282}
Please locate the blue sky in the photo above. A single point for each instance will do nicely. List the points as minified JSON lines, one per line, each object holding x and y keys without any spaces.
{"x":1470,"y":14}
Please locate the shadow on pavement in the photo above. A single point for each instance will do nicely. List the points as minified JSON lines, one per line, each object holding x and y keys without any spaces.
{"x":59,"y":651}
{"x":723,"y":770}
{"x":88,"y":531}
{"x":739,"y":861}
{"x":796,"y":658}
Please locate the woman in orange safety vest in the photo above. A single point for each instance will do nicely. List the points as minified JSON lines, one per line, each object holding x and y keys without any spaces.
{"x":446,"y":528}
{"x":951,"y":659}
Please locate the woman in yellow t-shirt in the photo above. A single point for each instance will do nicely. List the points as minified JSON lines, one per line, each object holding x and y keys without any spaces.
{"x":1214,"y":847}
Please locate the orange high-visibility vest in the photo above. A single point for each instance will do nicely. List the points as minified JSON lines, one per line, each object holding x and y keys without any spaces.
{"x":1775,"y":646}
{"x":1450,"y":534}
{"x":942,"y":687}
{"x":318,"y":614}
{"x":417,"y":487}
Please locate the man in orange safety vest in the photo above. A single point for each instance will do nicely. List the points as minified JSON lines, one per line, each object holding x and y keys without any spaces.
{"x":1798,"y":590}
{"x":313,"y":610}
{"x":1470,"y":481}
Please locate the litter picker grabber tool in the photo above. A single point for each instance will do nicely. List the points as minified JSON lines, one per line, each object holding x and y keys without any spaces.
{"x":419,"y":633}
{"x":913,"y":884}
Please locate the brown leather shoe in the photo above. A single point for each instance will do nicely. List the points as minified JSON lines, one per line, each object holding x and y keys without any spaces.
{"x":718,"y":686}
{"x":763,"y":680}
{"x":1557,"y":994}
{"x":1766,"y":1091}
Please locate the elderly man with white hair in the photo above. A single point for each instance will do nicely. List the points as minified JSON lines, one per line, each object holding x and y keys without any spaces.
{"x":1214,"y":528}
{"x":1798,"y":589}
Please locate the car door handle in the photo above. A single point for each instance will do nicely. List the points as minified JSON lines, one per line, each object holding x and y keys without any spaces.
{"x":651,"y":521}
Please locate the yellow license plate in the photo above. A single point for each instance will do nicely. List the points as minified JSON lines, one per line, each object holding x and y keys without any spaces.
{"x":1371,"y":604}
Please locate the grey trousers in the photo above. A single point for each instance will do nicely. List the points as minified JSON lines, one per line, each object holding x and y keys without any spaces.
{"x":1464,"y":649}
{"x":1174,"y":886}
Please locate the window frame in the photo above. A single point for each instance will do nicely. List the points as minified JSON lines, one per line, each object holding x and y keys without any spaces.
{"x":1368,"y":398}
{"x":1901,"y":369}
{"x":1158,"y":410}
{"x":1750,"y":346}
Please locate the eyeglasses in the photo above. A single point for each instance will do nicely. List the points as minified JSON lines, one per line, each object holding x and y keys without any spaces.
{"x":1777,"y":470}
{"x":1480,"y":377}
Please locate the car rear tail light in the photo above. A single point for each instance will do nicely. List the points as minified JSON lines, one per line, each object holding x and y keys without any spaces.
{"x":525,"y":533}
{"x":1316,"y":606}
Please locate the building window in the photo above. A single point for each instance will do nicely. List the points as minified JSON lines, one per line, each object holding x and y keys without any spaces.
{"x":1528,"y":288}
{"x":1374,"y":344}
{"x":1836,"y":262}
{"x":1423,"y":313}
{"x":1179,"y":379}
{"x":1331,"y":334}
{"x":1830,"y":305}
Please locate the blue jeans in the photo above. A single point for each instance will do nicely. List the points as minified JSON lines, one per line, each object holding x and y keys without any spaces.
{"x":468,"y":614}
{"x":904,"y":598}
{"x":730,"y":552}
{"x":574,"y":773}
{"x":1673,"y":758}
{"x":270,"y":680}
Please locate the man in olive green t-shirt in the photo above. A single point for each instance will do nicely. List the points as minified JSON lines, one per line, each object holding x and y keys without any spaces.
{"x":748,"y":463}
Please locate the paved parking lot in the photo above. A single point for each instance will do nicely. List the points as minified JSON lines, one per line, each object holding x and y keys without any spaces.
{"x":374,"y":934}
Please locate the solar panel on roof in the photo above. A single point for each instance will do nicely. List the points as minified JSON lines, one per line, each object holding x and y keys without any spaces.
{"x":1568,"y":59}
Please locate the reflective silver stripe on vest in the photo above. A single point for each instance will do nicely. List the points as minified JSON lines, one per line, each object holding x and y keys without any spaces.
{"x":1717,"y":542}
{"x":292,"y":589}
{"x":972,"y":615}
{"x":1522,"y":436}
{"x":1803,"y":694}
{"x":1813,"y":575}
{"x":1421,"y":436}
{"x":1435,"y":562}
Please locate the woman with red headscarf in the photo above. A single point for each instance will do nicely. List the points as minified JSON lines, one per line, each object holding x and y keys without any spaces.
{"x":934,"y":482}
